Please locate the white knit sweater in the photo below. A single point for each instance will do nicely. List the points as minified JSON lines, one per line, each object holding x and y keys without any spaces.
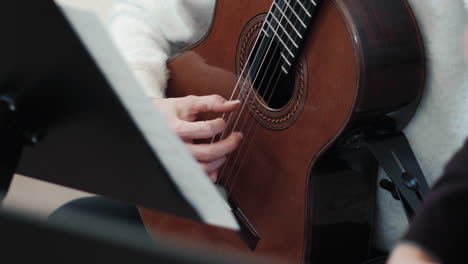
{"x":148,"y":32}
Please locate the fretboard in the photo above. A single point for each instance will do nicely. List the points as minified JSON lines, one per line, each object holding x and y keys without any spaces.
{"x":287,"y":23}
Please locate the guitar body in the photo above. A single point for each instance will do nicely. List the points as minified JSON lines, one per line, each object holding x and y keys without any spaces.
{"x":361,"y":60}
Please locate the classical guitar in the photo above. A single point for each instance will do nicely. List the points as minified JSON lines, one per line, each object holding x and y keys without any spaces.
{"x":307,"y":72}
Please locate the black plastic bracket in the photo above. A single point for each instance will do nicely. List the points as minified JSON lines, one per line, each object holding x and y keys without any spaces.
{"x":395,"y":156}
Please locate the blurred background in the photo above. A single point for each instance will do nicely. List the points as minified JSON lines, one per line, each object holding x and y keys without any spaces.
{"x":34,"y":196}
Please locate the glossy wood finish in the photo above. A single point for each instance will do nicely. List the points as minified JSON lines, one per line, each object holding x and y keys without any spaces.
{"x":351,"y":73}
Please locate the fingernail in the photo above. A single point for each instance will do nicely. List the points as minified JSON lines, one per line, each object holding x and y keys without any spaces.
{"x":241,"y":135}
{"x":232,"y":102}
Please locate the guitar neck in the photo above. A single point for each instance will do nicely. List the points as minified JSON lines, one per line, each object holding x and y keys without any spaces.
{"x":287,"y":23}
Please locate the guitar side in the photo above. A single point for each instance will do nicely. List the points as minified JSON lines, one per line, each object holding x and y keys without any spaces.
{"x":361,"y":61}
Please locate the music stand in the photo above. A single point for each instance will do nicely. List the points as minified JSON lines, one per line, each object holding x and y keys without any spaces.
{"x":64,"y":120}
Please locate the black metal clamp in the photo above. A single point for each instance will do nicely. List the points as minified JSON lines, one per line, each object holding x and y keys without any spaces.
{"x":395,"y":156}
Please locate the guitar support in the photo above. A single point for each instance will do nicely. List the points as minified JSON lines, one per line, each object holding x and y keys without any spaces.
{"x":350,"y":168}
{"x":394,"y":154}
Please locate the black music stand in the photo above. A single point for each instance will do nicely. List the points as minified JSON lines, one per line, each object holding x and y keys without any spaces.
{"x":60,"y":121}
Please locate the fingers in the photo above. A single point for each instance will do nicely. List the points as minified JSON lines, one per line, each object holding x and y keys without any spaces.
{"x":200,"y":129}
{"x":213,"y":176}
{"x":210,"y":103}
{"x":213,"y":166}
{"x":408,"y":253}
{"x":217,"y":150}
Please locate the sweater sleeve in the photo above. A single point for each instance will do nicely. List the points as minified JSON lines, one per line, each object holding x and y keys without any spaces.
{"x":440,"y":225}
{"x":145,"y":30}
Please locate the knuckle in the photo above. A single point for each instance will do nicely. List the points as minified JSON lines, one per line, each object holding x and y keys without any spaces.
{"x":191,"y":102}
{"x":201,"y":127}
{"x":218,"y":124}
{"x":219,"y":127}
{"x":235,"y":141}
{"x":207,"y":154}
{"x":222,"y":123}
{"x":210,"y":130}
{"x":205,"y":131}
{"x":178,"y":127}
{"x":217,"y":98}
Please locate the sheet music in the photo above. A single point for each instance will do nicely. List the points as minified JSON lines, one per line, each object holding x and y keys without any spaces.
{"x":187,"y":175}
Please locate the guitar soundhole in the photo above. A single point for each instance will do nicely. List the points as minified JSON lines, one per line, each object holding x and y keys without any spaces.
{"x":279,"y":89}
{"x":274,"y":87}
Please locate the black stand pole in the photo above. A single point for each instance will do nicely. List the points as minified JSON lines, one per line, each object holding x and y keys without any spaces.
{"x":11,"y":144}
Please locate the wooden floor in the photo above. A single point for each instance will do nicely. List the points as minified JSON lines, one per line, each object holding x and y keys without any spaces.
{"x":38,"y":197}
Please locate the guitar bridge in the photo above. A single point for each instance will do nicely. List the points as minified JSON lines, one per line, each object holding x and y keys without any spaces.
{"x":247,"y":230}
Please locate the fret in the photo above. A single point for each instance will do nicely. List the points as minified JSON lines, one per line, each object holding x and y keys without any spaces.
{"x":279,"y":38}
{"x":288,"y":20}
{"x":303,"y":7}
{"x":285,"y":27}
{"x":285,"y":59}
{"x":294,"y":12}
{"x":284,"y":31}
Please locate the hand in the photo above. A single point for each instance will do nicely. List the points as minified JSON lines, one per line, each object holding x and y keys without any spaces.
{"x":409,"y":254}
{"x":182,"y":113}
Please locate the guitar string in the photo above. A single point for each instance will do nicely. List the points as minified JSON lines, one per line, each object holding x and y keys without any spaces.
{"x":221,"y":173}
{"x":230,"y":189}
{"x":235,"y":169}
{"x":239,"y":80}
{"x":245,"y":123}
{"x":247,"y":64}
{"x":293,"y":12}
{"x":245,"y":84}
{"x":282,"y":34}
{"x":244,"y":158}
{"x":248,"y":144}
{"x":245,"y":143}
{"x":242,"y":91}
